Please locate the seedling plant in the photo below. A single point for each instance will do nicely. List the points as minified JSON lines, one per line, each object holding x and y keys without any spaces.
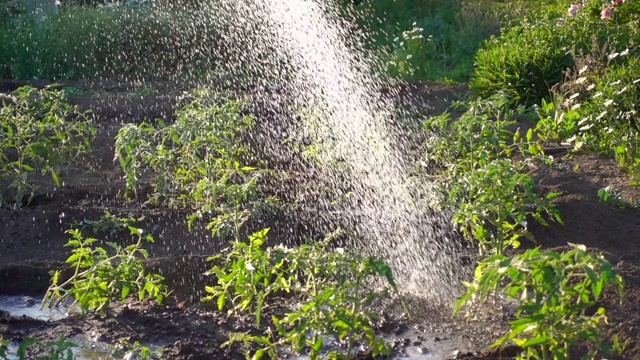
{"x":101,"y":276}
{"x":491,"y":195}
{"x":197,"y":163}
{"x":556,"y":296}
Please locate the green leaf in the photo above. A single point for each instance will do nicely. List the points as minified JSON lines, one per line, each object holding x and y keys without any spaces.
{"x":529,"y":135}
{"x":342,"y":326}
{"x":258,"y":354}
{"x":125,"y":291}
{"x":221,"y":301}
{"x":317,"y":345}
{"x":543,"y":339}
{"x":552,"y":195}
{"x":56,"y":277}
{"x":73,"y":258}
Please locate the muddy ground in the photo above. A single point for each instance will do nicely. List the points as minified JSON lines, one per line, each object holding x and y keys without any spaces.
{"x":32,"y":239}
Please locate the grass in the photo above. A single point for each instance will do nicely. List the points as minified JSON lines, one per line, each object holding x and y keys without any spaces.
{"x":110,"y":42}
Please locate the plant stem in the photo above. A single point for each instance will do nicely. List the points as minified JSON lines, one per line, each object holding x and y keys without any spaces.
{"x":354,"y":310}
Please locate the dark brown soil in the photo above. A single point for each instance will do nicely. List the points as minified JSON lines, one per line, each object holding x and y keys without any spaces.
{"x":32,"y":243}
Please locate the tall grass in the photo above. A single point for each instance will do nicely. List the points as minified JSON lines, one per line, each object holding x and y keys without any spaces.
{"x":107,"y":41}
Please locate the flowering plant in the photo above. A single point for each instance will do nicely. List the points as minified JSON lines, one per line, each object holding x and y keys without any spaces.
{"x":606,"y":9}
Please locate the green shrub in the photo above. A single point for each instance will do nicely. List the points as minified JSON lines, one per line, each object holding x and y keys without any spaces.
{"x":554,"y":293}
{"x":528,"y":59}
{"x":524,"y":62}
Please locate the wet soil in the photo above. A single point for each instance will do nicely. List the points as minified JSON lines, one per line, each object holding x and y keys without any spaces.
{"x":32,"y":242}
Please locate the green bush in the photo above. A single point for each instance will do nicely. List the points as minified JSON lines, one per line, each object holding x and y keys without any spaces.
{"x":528,"y":59}
{"x":524,"y":62}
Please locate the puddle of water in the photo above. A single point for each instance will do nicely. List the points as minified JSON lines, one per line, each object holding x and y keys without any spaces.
{"x":86,"y":349}
{"x":418,"y":347}
{"x":91,"y":350}
{"x":422,"y":347}
{"x":31,"y":307}
{"x":12,"y":348}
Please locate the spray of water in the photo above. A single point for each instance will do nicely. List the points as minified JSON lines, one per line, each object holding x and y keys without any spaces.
{"x":316,"y":55}
{"x":306,"y":54}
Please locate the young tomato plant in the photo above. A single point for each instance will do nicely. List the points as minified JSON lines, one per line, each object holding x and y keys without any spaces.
{"x":333,"y":287}
{"x":492,"y":199}
{"x":496,"y":202}
{"x":554,"y":292}
{"x":39,"y":131}
{"x":197,"y":162}
{"x":100,"y":277}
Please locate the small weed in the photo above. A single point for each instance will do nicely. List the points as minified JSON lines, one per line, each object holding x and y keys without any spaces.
{"x":145,"y":91}
{"x":100,"y":278}
{"x":72,"y":91}
{"x":108,"y":223}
